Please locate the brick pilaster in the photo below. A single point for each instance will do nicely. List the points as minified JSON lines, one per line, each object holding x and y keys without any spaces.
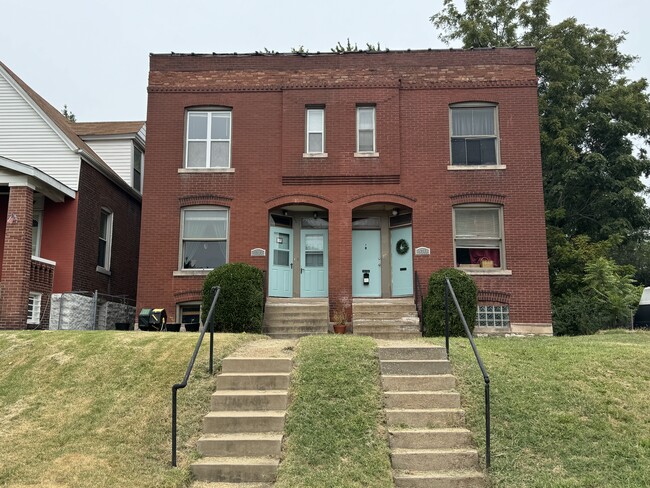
{"x":17,"y":257}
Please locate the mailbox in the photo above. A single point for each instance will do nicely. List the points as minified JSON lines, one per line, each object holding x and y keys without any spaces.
{"x":366,"y":277}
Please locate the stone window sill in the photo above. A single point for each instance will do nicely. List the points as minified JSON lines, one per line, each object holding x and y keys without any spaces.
{"x":314,"y":155}
{"x":366,"y":154}
{"x":205,"y":170}
{"x":191,"y":272}
{"x":461,"y":167}
{"x":486,"y":271}
{"x":102,"y":270}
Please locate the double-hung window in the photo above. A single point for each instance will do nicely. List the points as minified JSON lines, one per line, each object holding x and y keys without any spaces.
{"x":315,"y":133}
{"x":204,"y":237}
{"x":138,"y":160}
{"x":105,"y":237}
{"x":208,"y":139}
{"x":474,"y":135}
{"x":366,"y":129}
{"x":478,"y":237}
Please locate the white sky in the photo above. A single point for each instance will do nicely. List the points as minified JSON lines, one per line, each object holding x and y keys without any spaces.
{"x":93,"y":54}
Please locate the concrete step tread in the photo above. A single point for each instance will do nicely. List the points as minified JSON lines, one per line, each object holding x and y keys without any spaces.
{"x":419,"y":376}
{"x":439,"y":451}
{"x":255,"y":374}
{"x":419,"y":430}
{"x":244,"y":461}
{"x":423,"y":410}
{"x":411,"y":346}
{"x":250,"y":393}
{"x":422,"y":393}
{"x":247,"y":413}
{"x":413,"y":361}
{"x":247,"y":436}
{"x":438,"y":474}
{"x":223,"y":484}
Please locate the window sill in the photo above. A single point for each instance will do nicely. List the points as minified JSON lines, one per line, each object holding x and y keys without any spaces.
{"x":314,"y":155}
{"x":102,"y":270}
{"x":366,"y":154}
{"x":191,"y":272}
{"x":206,"y":170}
{"x":466,"y":167}
{"x":486,"y":271}
{"x":43,"y":260}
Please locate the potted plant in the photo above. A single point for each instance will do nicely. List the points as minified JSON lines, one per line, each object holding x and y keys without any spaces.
{"x":340,"y":316}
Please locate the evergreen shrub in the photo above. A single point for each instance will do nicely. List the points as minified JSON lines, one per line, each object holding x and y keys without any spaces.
{"x":241,"y":300}
{"x":434,"y":303}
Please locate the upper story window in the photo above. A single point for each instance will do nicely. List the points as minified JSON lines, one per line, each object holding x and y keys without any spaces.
{"x":204,"y":237}
{"x":366,"y":130}
{"x":105,"y":238}
{"x":315,"y":131}
{"x":208,"y":139}
{"x":138,"y":163}
{"x":474,"y":135}
{"x":478,"y":237}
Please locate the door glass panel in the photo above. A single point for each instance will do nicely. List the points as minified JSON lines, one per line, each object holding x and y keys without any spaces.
{"x":313,"y":259}
{"x":281,"y":251}
{"x":313,"y":242}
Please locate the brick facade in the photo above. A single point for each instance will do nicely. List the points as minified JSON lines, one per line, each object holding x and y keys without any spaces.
{"x":97,"y":192}
{"x":412,"y":93}
{"x":17,"y":258}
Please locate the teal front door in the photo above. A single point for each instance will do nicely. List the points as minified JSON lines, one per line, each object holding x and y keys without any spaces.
{"x":281,"y":262}
{"x":401,"y":264}
{"x":366,"y":263}
{"x":313,"y":263}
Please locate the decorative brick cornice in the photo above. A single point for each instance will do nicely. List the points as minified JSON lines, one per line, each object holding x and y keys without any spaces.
{"x":494,"y":296}
{"x":383,"y":196}
{"x":341,"y":180}
{"x":298,"y":197}
{"x":204,"y":199}
{"x":477,"y":197}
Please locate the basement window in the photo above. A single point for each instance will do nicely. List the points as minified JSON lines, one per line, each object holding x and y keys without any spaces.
{"x":34,"y":309}
{"x":494,"y":316}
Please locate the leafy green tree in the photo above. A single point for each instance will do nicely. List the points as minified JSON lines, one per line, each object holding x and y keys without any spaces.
{"x":589,"y":115}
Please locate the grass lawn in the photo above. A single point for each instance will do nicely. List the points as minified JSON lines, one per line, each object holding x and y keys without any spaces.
{"x":335,"y":427}
{"x":93,"y":408}
{"x":566,"y":411}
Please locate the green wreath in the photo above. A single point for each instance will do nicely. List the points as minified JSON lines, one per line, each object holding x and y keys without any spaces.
{"x":402,"y":247}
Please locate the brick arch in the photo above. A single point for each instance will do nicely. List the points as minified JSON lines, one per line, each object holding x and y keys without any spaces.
{"x":394,"y":198}
{"x":494,"y":296}
{"x":204,"y":199}
{"x":477,"y":197}
{"x":299,"y":198}
{"x":188,"y":296}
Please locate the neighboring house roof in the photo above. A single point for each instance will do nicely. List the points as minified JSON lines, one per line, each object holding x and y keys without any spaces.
{"x":106,"y":128}
{"x":62,"y":124}
{"x":42,"y":178}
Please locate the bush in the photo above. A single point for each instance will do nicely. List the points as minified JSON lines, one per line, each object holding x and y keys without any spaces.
{"x":241,"y":300}
{"x":434,"y":303}
{"x":577,"y":314}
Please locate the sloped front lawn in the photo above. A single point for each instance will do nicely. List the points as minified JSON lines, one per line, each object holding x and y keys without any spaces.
{"x":81,"y":409}
{"x":566,"y":411}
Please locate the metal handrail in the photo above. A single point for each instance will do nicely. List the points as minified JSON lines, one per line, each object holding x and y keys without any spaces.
{"x":486,"y":378}
{"x":183,"y":384}
{"x":418,"y":300}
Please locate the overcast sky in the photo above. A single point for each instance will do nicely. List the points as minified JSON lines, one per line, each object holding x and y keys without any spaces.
{"x":93,"y":55}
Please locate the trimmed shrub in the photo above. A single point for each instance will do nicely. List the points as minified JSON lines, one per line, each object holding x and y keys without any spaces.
{"x":241,"y":300}
{"x":434,"y":303}
{"x":577,"y":314}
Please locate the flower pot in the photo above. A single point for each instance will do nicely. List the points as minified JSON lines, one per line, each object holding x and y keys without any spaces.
{"x":122,"y":326}
{"x":340,"y":328}
{"x":192,"y":327}
{"x":173,"y":327}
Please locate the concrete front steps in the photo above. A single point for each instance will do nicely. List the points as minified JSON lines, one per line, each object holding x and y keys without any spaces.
{"x":242,"y":437}
{"x":430,"y":445}
{"x":291,"y":318}
{"x":386,"y":318}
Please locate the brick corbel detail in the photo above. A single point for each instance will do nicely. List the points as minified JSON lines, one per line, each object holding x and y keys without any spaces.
{"x":17,"y":258}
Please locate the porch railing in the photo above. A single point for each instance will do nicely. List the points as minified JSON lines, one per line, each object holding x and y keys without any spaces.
{"x":183,"y":383}
{"x":449,"y":291}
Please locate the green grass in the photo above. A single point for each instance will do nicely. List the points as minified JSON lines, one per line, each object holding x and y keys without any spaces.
{"x":566,"y":411}
{"x":335,"y":427}
{"x":81,"y":409}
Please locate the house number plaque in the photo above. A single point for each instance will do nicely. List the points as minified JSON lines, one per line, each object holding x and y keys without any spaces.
{"x":422,"y":251}
{"x":258,"y":252}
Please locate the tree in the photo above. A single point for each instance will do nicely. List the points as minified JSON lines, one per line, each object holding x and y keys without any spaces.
{"x":68,"y":114}
{"x":589,"y":115}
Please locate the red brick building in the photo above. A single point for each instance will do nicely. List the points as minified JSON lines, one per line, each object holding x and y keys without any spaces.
{"x":72,"y":222}
{"x":345,"y":175}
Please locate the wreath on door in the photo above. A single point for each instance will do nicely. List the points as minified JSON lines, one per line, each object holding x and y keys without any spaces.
{"x":402,"y":247}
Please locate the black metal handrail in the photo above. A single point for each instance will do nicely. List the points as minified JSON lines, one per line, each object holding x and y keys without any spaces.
{"x":486,"y":378}
{"x":418,"y":299}
{"x":183,"y":384}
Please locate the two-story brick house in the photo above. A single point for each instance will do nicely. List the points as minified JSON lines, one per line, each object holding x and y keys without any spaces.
{"x":345,"y":175}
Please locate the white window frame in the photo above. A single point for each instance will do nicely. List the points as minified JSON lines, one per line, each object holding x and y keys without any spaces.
{"x":179,"y":309}
{"x":495,"y":136}
{"x":224,"y":112}
{"x":108,"y":239}
{"x":373,"y":151}
{"x":308,"y":131}
{"x":34,"y":308}
{"x":500,"y":240}
{"x":137,"y":173}
{"x":181,"y":253}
